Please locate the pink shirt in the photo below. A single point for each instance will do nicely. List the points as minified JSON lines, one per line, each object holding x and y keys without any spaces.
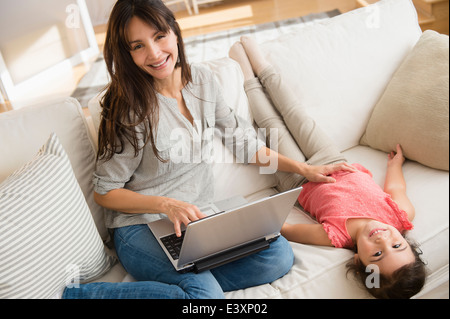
{"x":354,"y":195}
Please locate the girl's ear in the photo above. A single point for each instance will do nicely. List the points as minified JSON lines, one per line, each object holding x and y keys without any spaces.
{"x":356,"y":259}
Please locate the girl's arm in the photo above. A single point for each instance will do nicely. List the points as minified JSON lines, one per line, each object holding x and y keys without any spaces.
{"x":311,"y":234}
{"x":267,"y":157}
{"x":395,"y":184}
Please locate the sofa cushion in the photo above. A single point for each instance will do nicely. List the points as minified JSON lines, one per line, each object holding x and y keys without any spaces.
{"x":413,"y":110}
{"x":47,"y":236}
{"x":340,"y":67}
{"x":24,"y":130}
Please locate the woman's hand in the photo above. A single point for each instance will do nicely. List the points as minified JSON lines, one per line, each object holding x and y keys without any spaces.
{"x":320,"y":174}
{"x":180,"y":212}
{"x":124,"y":200}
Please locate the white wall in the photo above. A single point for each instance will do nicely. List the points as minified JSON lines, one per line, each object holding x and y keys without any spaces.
{"x":99,"y":10}
{"x":34,"y":35}
{"x":40,"y":42}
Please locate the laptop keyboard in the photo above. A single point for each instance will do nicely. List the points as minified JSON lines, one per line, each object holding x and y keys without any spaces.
{"x":173,"y":244}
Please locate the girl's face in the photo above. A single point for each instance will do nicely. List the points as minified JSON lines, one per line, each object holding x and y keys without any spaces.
{"x":153,"y":51}
{"x":383,"y":245}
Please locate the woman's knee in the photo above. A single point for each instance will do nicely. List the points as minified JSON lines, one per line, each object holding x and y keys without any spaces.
{"x":143,"y":258}
{"x":276,"y":261}
{"x":201,"y":286}
{"x":140,"y":253}
{"x":282,"y":255}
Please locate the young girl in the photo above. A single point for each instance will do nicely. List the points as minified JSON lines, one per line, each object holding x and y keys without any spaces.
{"x":353,"y":212}
{"x":153,"y":94}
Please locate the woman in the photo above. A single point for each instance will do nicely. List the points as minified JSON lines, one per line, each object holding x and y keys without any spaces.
{"x":154,"y":107}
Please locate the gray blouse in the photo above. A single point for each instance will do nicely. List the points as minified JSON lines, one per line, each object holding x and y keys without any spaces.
{"x":188,"y":148}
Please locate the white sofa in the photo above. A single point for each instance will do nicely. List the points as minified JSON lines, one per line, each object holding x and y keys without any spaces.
{"x":341,"y":69}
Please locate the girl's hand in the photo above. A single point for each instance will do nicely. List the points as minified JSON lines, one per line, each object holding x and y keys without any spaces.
{"x":181,"y":213}
{"x":320,"y":174}
{"x":396,"y":158}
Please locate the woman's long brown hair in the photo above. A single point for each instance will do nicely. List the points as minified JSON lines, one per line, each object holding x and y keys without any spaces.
{"x":130,"y":98}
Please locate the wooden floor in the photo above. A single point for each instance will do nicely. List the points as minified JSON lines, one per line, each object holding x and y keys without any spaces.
{"x":228,"y":14}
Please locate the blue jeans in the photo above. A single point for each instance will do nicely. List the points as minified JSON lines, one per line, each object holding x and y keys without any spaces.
{"x":143,"y":258}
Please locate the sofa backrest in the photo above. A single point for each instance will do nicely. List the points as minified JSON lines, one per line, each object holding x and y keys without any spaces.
{"x":340,"y":67}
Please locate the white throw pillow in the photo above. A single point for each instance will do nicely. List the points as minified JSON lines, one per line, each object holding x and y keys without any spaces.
{"x":48,"y":238}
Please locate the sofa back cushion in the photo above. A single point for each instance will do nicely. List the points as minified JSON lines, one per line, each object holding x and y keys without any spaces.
{"x":24,"y":131}
{"x":340,"y":67}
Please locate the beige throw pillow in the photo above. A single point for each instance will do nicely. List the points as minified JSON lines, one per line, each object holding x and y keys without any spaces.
{"x":413,"y":110}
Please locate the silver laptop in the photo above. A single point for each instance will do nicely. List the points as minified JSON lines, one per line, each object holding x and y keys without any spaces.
{"x":233,"y":229}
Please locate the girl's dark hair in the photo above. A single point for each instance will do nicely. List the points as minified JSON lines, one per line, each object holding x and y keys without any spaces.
{"x":403,"y":283}
{"x":130,"y":98}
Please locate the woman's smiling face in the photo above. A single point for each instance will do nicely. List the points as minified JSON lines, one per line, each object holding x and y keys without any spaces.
{"x":152,"y":50}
